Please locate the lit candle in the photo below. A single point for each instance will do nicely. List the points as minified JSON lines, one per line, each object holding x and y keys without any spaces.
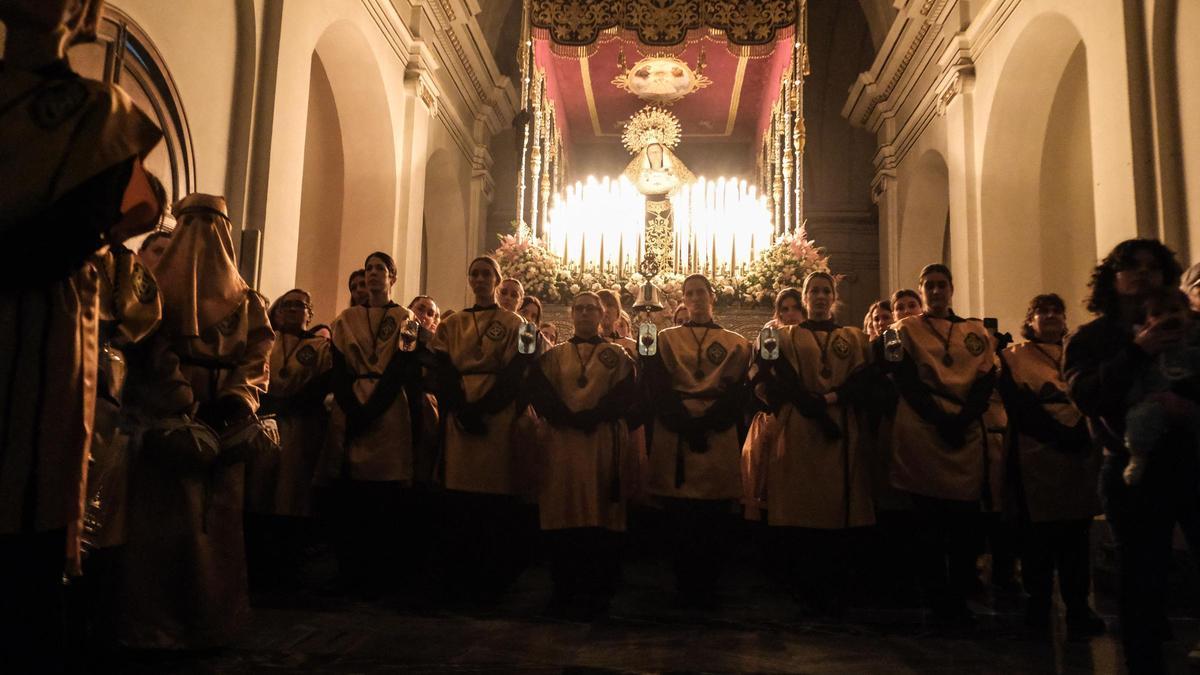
{"x":602,"y":250}
{"x":621,"y":256}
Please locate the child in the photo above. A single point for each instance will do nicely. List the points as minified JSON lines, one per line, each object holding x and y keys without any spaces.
{"x":1167,"y":392}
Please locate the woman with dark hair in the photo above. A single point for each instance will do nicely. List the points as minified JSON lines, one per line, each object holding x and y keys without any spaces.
{"x":695,"y":388}
{"x":789,"y":311}
{"x":184,"y":568}
{"x":1052,"y":470}
{"x":357,"y":284}
{"x":819,"y":481}
{"x":1103,"y":360}
{"x":478,"y":374}
{"x":530,"y":309}
{"x":153,"y":247}
{"x":905,"y":303}
{"x":279,"y":489}
{"x":945,"y":377}
{"x":877,"y":318}
{"x":425,"y":311}
{"x":375,"y":429}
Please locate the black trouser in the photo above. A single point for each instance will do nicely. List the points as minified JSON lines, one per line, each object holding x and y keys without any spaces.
{"x":699,"y":530}
{"x":818,"y":563}
{"x":487,"y":541}
{"x":274,"y":548}
{"x":1002,"y":539}
{"x":947,"y":534}
{"x":1059,"y":545}
{"x":894,"y":565}
{"x":31,"y":601}
{"x":585,"y":563}
{"x":1143,"y":519}
{"x":372,"y":533}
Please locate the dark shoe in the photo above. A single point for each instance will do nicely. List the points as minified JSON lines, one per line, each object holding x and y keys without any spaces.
{"x":1084,"y":625}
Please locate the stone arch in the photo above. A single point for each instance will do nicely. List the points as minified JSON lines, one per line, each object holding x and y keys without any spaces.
{"x":925,"y":219}
{"x":348,"y":202}
{"x":1037,"y":200}
{"x":445,"y":233}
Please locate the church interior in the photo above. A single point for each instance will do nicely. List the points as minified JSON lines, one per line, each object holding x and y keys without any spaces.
{"x":606,"y":144}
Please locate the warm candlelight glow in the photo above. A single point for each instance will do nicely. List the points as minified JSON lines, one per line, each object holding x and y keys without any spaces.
{"x":719,"y":224}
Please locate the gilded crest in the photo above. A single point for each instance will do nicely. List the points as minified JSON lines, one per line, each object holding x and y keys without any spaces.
{"x":387,"y":329}
{"x":144,"y":288}
{"x":974,"y":344}
{"x":496,"y":331}
{"x":608,"y":357}
{"x":716,"y":353}
{"x":307,"y":355}
{"x":840,"y":347}
{"x":57,"y":102}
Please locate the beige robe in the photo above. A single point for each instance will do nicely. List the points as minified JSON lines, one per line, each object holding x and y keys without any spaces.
{"x":130,"y":309}
{"x":1057,"y":484}
{"x":813,"y":481}
{"x":385,"y":451}
{"x":724,"y":361}
{"x":577,"y":468}
{"x":484,"y":464}
{"x":922,"y":463}
{"x":183,"y":570}
{"x":54,"y":137}
{"x":282,"y":485}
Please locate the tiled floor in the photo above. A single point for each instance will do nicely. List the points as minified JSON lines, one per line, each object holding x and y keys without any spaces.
{"x":757,"y":630}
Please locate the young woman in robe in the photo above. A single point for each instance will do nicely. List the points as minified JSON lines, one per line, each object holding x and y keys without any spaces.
{"x":183,"y":570}
{"x":582,"y":391}
{"x":940,"y":456}
{"x":789,"y":311}
{"x":877,"y":318}
{"x":374,"y":428}
{"x":1053,"y":471}
{"x":510,"y":294}
{"x":696,"y":391}
{"x":71,"y":153}
{"x":818,"y":478}
{"x":905,"y":303}
{"x":477,"y":377}
{"x":279,"y":489}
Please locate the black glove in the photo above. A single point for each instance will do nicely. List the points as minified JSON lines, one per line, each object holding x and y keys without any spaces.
{"x":223,"y":411}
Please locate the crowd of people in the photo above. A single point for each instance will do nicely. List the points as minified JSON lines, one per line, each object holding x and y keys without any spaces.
{"x":172,"y":438}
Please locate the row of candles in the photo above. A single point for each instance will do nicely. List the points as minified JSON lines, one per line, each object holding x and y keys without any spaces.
{"x":719,"y":226}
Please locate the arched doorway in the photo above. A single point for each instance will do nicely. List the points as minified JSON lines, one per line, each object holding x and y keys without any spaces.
{"x":924,"y":225}
{"x":445,"y":230}
{"x":1038,"y":211}
{"x":348,"y":202}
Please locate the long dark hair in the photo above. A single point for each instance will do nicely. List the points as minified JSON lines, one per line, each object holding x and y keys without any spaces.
{"x":1104,"y":299}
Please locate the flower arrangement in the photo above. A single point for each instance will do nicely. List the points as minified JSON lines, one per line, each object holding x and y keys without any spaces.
{"x":543,"y":274}
{"x":784,"y":264}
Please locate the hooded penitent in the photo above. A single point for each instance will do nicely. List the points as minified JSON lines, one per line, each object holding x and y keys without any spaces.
{"x":197,"y":275}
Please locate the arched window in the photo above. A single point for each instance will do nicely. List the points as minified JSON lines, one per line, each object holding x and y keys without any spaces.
{"x":125,"y":56}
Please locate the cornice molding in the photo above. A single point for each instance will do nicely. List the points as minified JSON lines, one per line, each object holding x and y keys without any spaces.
{"x":917,"y":43}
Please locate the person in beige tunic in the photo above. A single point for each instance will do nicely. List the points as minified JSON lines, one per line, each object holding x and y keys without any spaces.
{"x":1053,"y":471}
{"x":183,"y":568}
{"x":945,"y":379}
{"x":696,"y":391}
{"x":477,"y":377}
{"x":789,"y":311}
{"x":374,"y":429}
{"x":279,"y":488}
{"x":819,"y":478}
{"x":71,"y":182}
{"x":582,"y":391}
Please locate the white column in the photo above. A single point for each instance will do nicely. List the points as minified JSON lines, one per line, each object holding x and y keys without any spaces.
{"x":956,"y":102}
{"x":420,"y":106}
